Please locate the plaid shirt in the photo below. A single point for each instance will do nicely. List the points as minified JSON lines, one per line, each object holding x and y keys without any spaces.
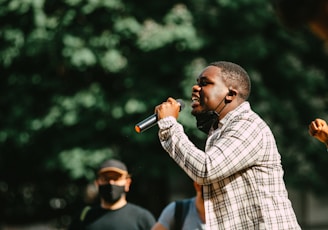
{"x":240,"y":171}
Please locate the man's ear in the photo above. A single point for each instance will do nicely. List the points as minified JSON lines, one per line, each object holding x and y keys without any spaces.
{"x":127,"y":184}
{"x":230,"y":95}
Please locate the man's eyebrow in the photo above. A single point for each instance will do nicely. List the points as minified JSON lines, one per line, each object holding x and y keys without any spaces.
{"x":201,"y":77}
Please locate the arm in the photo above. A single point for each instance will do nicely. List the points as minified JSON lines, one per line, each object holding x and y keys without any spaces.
{"x":235,"y":147}
{"x":166,"y":219}
{"x":159,"y":226}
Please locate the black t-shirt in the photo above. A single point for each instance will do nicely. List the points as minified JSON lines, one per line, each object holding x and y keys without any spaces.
{"x":129,"y":217}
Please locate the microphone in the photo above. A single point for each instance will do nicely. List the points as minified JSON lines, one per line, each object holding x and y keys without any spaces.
{"x":152,"y":120}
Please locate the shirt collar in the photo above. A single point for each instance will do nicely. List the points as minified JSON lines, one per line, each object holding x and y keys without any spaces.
{"x":242,"y":107}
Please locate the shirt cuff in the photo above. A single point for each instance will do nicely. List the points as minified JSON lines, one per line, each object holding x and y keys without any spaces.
{"x":166,"y":122}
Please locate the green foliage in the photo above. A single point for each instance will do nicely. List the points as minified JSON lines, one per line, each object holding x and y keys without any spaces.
{"x":79,"y":163}
{"x":177,"y":28}
{"x":77,"y":75}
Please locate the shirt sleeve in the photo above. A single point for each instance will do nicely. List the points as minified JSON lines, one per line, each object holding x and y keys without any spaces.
{"x":181,"y":149}
{"x":233,"y":147}
{"x":147,"y":220}
{"x":167,"y":216}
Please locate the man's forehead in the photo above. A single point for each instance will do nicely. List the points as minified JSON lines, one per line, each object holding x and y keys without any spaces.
{"x":209,"y":72}
{"x":211,"y":69}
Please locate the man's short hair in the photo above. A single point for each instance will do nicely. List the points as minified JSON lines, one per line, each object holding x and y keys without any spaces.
{"x":235,"y":76}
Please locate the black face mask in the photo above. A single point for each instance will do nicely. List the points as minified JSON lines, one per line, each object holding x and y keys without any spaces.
{"x":206,"y":120}
{"x":111,"y":193}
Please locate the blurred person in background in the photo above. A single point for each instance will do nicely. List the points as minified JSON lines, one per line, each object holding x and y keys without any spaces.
{"x":114,"y":212}
{"x":312,"y":14}
{"x":184,"y":214}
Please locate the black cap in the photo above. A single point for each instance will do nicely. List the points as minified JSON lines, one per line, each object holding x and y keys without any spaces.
{"x":113,"y":165}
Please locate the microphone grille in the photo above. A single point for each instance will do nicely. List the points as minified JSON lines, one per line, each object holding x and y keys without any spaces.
{"x":182,"y":104}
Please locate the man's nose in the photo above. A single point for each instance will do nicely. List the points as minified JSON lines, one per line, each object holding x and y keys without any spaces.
{"x":196,"y":88}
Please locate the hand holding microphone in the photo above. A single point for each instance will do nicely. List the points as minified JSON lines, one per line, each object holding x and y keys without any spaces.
{"x":169,"y":108}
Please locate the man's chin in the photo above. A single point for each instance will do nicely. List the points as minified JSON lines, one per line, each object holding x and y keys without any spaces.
{"x":196,"y":112}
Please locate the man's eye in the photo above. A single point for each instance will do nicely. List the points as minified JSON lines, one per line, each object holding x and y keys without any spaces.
{"x":202,"y":83}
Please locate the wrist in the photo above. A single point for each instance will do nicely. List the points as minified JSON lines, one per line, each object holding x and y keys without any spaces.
{"x":166,"y":122}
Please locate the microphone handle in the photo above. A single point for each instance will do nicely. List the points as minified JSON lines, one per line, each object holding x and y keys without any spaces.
{"x":146,"y":124}
{"x":152,"y":120}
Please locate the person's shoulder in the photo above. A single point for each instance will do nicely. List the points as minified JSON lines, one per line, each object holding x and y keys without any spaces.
{"x":186,"y":201}
{"x":183,"y":203}
{"x":172,"y":204}
{"x":136,"y":208}
{"x":191,"y":199}
{"x":92,"y":208}
{"x":86,"y":215}
{"x":92,"y":211}
{"x":140,"y":212}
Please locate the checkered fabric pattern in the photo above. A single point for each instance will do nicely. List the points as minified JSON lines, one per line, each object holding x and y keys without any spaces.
{"x":240,"y":171}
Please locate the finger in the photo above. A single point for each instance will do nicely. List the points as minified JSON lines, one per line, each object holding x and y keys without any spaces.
{"x":171,"y":100}
{"x":320,"y":123}
{"x":157,"y":108}
{"x":312,"y":132}
{"x":314,"y":124}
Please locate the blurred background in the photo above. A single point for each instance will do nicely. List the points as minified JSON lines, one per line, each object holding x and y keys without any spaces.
{"x":77,"y":75}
